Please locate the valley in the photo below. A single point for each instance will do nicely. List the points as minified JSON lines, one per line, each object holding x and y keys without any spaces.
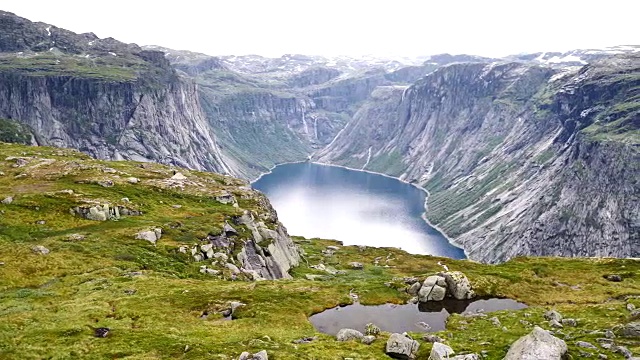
{"x":385,"y":189}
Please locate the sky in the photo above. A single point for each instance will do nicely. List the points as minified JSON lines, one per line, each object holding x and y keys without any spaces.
{"x":347,"y":27}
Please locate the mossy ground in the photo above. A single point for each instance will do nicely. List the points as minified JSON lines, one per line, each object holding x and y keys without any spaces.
{"x":50,"y":304}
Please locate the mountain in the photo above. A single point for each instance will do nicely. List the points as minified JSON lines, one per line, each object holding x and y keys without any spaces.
{"x":505,"y":146}
{"x":106,"y":98}
{"x":519,"y":159}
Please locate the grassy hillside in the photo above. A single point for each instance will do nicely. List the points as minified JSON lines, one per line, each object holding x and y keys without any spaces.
{"x":157,"y":304}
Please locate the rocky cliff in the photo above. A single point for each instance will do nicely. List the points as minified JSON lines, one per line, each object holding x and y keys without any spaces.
{"x":106,"y":98}
{"x":519,"y":159}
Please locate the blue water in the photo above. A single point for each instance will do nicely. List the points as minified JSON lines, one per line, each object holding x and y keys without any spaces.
{"x":355,"y":207}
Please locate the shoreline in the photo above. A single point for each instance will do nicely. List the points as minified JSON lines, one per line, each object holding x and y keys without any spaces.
{"x":423,"y":216}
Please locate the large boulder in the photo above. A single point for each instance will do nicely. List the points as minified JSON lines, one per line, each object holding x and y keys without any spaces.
{"x":261,"y":355}
{"x":349,"y":334}
{"x":458,"y":286}
{"x":537,"y":345}
{"x":400,"y":346}
{"x":440,"y":351}
{"x":434,"y":288}
{"x":151,"y":236}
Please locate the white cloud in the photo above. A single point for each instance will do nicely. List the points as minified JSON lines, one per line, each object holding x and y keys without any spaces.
{"x":351,"y":27}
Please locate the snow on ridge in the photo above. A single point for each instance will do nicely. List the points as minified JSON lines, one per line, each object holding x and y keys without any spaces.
{"x":48,"y":30}
{"x":566,"y":58}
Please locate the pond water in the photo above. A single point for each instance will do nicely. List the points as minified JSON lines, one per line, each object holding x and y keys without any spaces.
{"x":355,"y":207}
{"x":401,"y":318}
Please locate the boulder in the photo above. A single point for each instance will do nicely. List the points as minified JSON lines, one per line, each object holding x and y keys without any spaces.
{"x":537,"y":345}
{"x":586,"y":345}
{"x":433,"y":289}
{"x":622,"y":350}
{"x":440,"y":351}
{"x":553,"y":315}
{"x":39,"y":249}
{"x":133,"y":180}
{"x":631,"y":329}
{"x":569,"y":322}
{"x":356,"y":265}
{"x":458,"y":285}
{"x":151,"y":236}
{"x":414,"y":288}
{"x":432,"y":338}
{"x":613,"y":277}
{"x":8,"y":200}
{"x":261,"y":355}
{"x":466,"y":357}
{"x":349,"y":334}
{"x":401,"y":346}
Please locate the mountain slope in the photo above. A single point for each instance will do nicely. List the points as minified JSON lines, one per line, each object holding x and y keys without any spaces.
{"x":106,"y":98}
{"x":519,"y":159}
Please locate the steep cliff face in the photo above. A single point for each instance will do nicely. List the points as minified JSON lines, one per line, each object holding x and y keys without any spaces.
{"x":518,"y":159}
{"x":127,"y":104}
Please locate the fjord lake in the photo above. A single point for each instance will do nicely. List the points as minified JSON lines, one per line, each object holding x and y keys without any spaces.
{"x":355,"y":207}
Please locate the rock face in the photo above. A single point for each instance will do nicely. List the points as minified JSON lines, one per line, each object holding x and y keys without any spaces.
{"x":538,"y":345}
{"x":110,"y":113}
{"x":514,"y":155}
{"x":401,"y":346}
{"x":631,"y":329}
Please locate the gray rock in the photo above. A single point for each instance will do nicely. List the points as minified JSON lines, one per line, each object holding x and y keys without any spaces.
{"x":631,"y":307}
{"x":433,"y":289}
{"x":401,"y":346}
{"x":41,"y":222}
{"x":440,"y":351}
{"x":151,"y":236}
{"x":586,"y":345}
{"x":8,"y":200}
{"x":631,"y":329}
{"x":212,"y":272}
{"x":41,"y":250}
{"x":555,"y":324}
{"x":368,"y":339}
{"x":613,"y":277}
{"x":334,"y":248}
{"x":466,"y":357}
{"x":605,"y":343}
{"x":602,"y":357}
{"x":414,"y":288}
{"x":76,"y":237}
{"x":553,"y":315}
{"x":220,"y":256}
{"x":537,"y":345}
{"x":178,"y":176}
{"x":622,"y":350}
{"x":432,"y":338}
{"x":356,"y":265}
{"x":133,"y":180}
{"x":569,"y":322}
{"x":349,"y":334}
{"x":458,"y":286}
{"x":234,"y":269}
{"x":261,"y":355}
{"x":306,"y":340}
{"x":495,"y":321}
{"x":609,"y":334}
{"x":229,"y":230}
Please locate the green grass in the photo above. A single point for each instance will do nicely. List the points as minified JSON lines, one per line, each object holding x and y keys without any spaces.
{"x":49,"y":305}
{"x":108,"y":69}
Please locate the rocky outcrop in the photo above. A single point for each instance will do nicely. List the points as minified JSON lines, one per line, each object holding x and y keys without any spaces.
{"x":131,"y":106}
{"x":448,"y":284}
{"x":518,"y":159}
{"x":538,"y":345}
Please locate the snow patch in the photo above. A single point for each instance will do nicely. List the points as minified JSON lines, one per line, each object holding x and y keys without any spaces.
{"x":568,"y":58}
{"x":112,"y":53}
{"x":48,"y":30}
{"x":90,"y":43}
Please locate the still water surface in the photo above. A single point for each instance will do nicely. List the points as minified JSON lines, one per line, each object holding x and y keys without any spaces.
{"x":355,"y":207}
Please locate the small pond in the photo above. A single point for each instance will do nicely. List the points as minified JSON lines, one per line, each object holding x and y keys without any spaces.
{"x":401,"y":318}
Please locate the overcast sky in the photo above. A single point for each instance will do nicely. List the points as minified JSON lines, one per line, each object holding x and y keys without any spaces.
{"x":347,"y":27}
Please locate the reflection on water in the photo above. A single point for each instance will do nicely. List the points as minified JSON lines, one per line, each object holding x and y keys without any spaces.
{"x":355,"y":207}
{"x":401,"y":318}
